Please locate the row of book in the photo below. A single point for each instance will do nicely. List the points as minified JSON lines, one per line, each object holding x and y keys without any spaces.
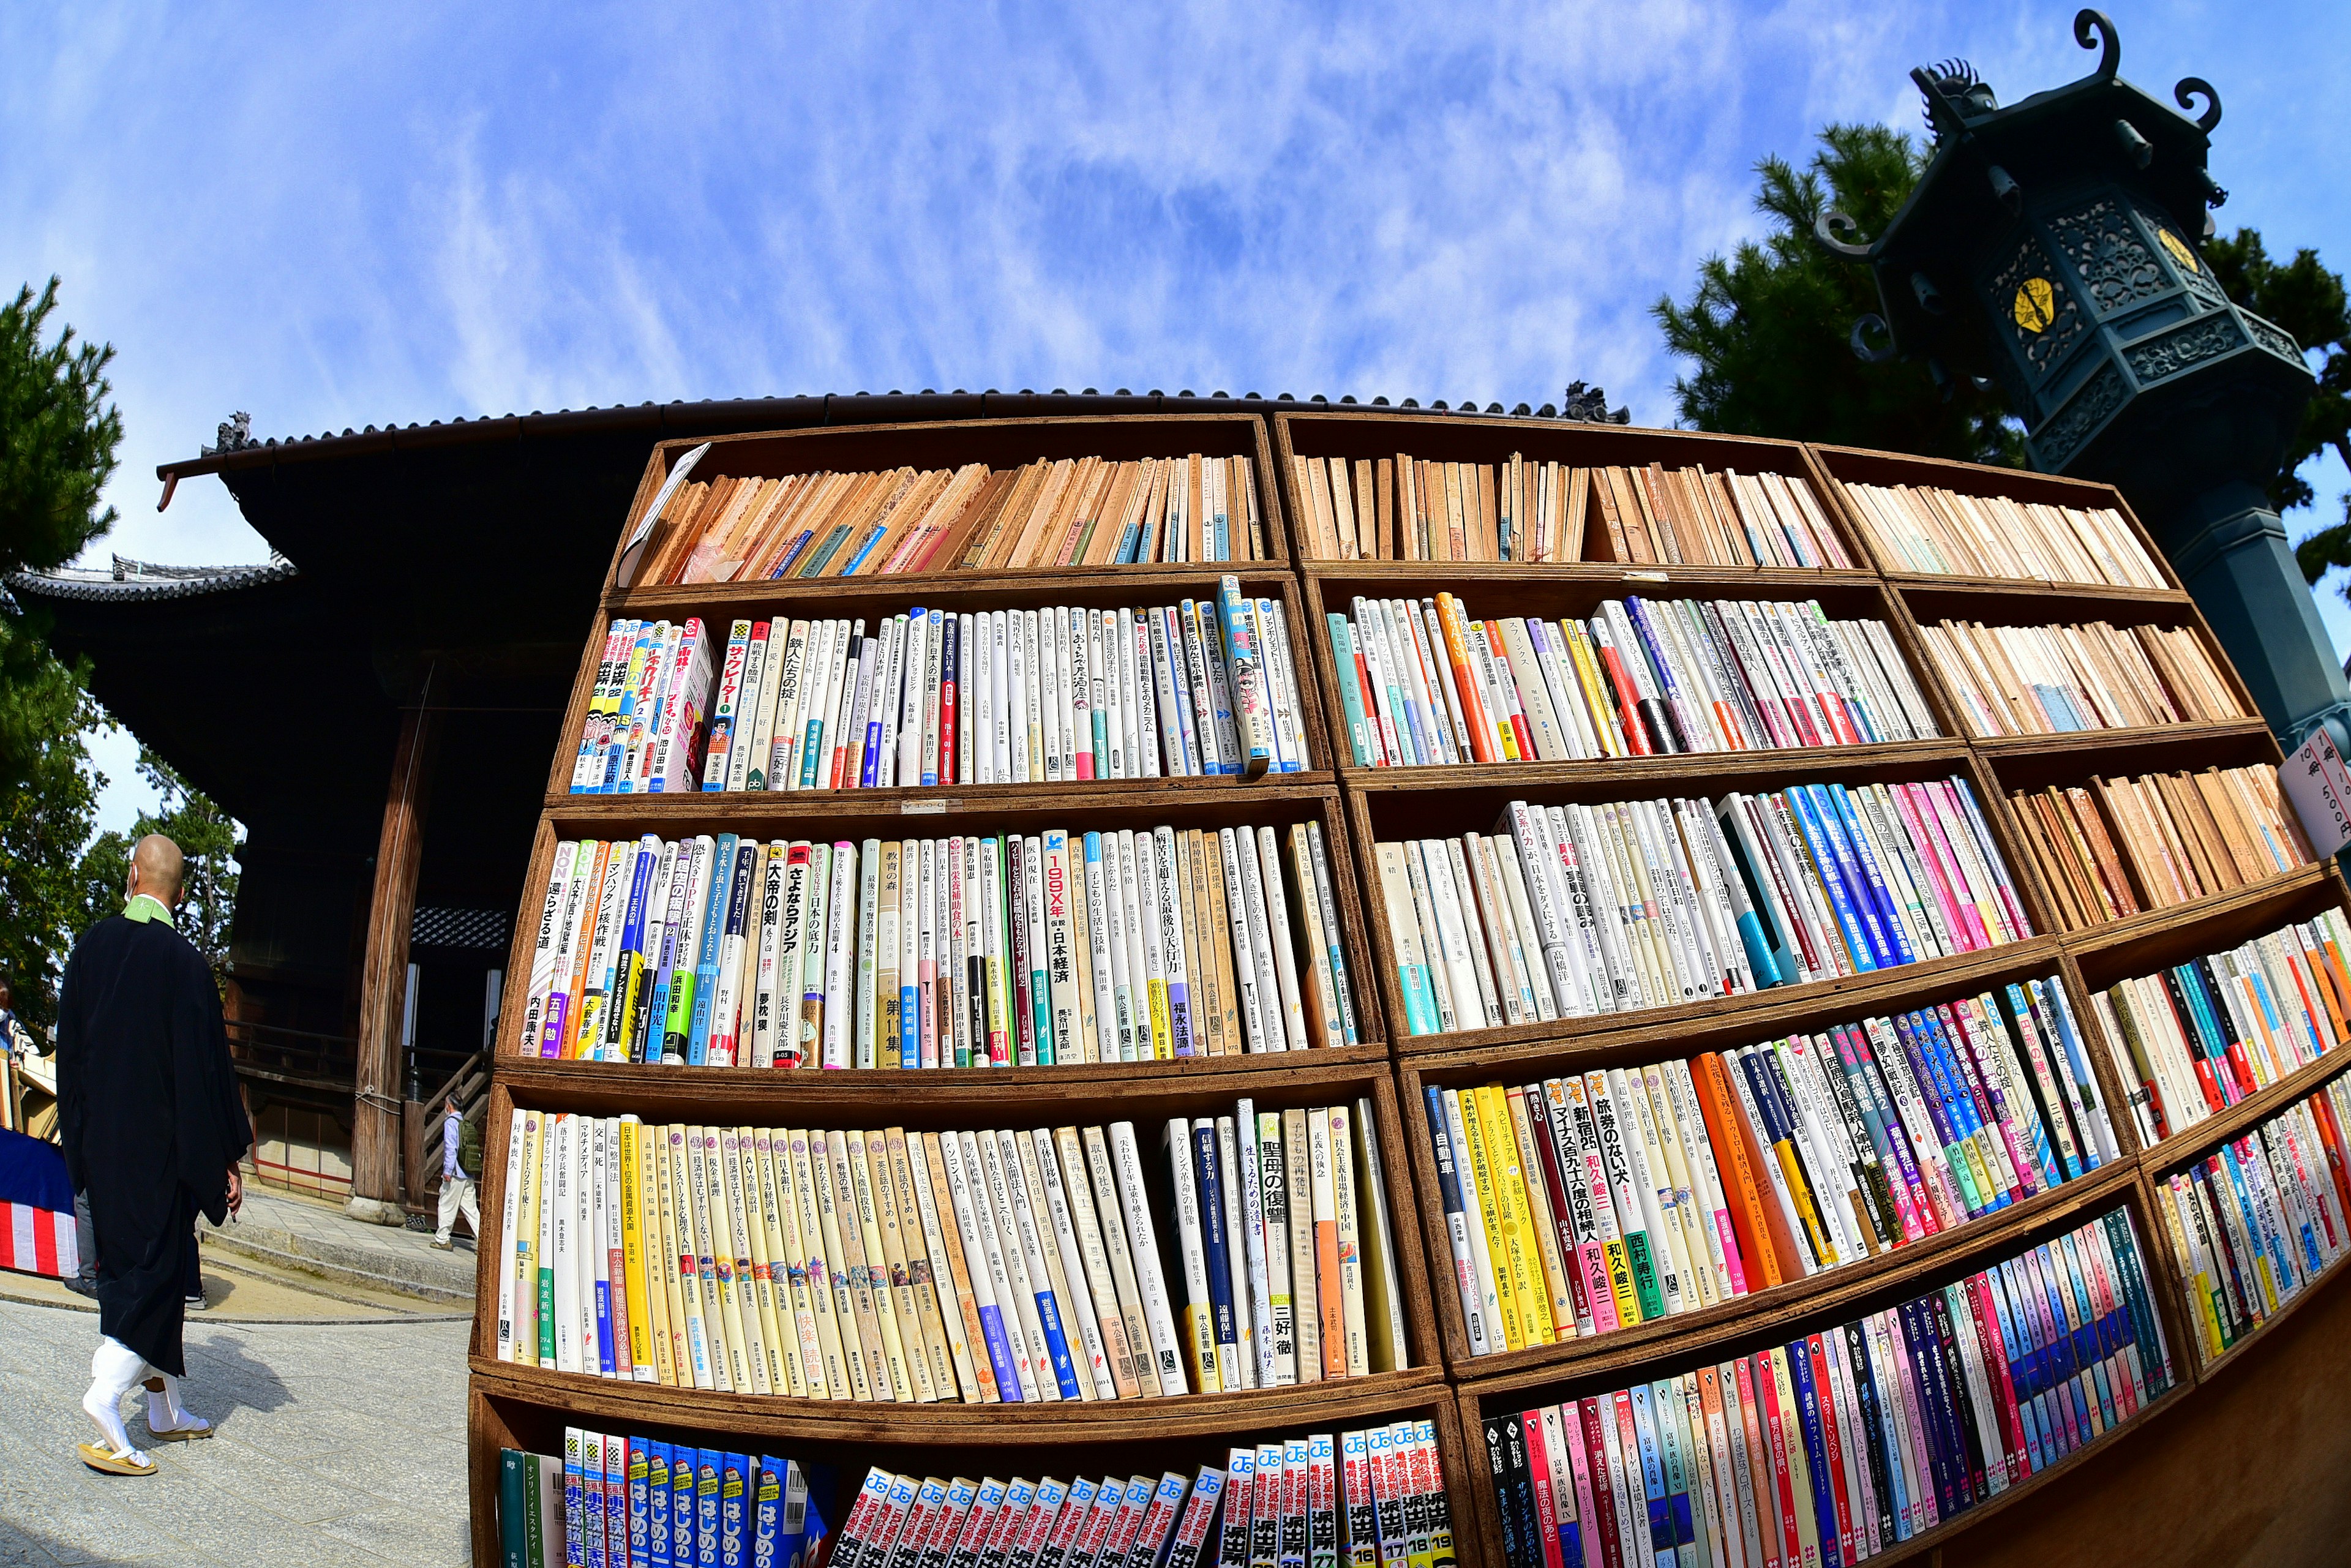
{"x":615,"y":1500}
{"x":1409,"y":508}
{"x":1579,"y":1205}
{"x":1129,"y":945}
{"x":2056,"y":680}
{"x":2198,"y":1037}
{"x":1918,"y":527}
{"x":2114,"y":847}
{"x":1422,"y":683}
{"x":2256,"y":1222}
{"x":999,"y":1266}
{"x":1840,"y":1445}
{"x":1576,"y":910}
{"x":1084,"y":511}
{"x":1370,"y":1496}
{"x":1060,"y":694}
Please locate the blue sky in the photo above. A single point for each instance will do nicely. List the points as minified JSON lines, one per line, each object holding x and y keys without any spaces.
{"x":334,"y":216}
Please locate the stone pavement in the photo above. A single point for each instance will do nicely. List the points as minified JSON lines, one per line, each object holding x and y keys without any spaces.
{"x":287,"y":1232}
{"x":339,"y":1443}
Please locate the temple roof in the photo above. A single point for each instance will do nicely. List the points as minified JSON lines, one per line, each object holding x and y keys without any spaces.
{"x":139,"y":580}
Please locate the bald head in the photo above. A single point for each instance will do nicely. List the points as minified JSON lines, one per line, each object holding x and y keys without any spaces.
{"x":156,"y":867}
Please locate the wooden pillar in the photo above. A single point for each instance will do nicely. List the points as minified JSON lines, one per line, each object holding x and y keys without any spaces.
{"x":378,"y":1099}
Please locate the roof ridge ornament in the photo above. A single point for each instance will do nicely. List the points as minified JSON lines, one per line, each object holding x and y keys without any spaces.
{"x":2109,"y":45}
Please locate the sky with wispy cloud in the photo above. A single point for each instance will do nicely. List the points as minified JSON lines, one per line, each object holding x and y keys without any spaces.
{"x":335,"y":217}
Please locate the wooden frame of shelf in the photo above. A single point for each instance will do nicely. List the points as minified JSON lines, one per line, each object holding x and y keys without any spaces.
{"x":528,"y":1407}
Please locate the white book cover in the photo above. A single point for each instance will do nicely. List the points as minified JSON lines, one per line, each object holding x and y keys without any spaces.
{"x":1257,"y":1005}
{"x":981,"y":1273}
{"x":562,"y":1203}
{"x":1177,"y":763}
{"x":863,"y":1039}
{"x":1270,"y":1180}
{"x":1063,"y":1159}
{"x":1080,"y":1315}
{"x":1152,"y":1375}
{"x":1142,"y":1247}
{"x":1057,"y":1376}
{"x":1247,"y":1174}
{"x":942,"y":1269}
{"x":1236,"y":1358}
{"x":1099,"y":924}
{"x":1305,"y":1291}
{"x":1197,"y":1316}
{"x":840,"y":937}
{"x":1277,"y":939}
{"x":1118,"y":881}
{"x":509,"y":1235}
{"x":1008,"y":1274}
{"x":1345,"y":1192}
{"x":543,"y":950}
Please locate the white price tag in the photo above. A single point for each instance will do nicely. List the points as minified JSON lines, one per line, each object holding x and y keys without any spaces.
{"x":2315,"y":781}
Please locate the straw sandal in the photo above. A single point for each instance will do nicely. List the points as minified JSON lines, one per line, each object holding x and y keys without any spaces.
{"x":100,"y":1457}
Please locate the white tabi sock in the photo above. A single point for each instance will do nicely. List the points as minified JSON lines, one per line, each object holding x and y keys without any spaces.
{"x":113,"y":1368}
{"x":164,"y":1411}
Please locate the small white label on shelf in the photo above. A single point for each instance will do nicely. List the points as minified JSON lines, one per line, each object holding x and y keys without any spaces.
{"x":924,"y":808}
{"x":2315,"y":781}
{"x":1645,"y":576}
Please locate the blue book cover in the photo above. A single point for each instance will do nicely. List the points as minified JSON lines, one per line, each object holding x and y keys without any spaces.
{"x":574,"y":1501}
{"x":767,"y":1513}
{"x":711,"y":928}
{"x":1934,"y":1095}
{"x":999,"y":1353}
{"x":2085,"y":1084}
{"x":1967,"y":1118}
{"x":1666,"y":1410}
{"x":2013,"y":1351}
{"x":1679,"y":704}
{"x":1653,"y":1473}
{"x":1057,"y":1341}
{"x":709,"y":1465}
{"x":655,"y":1506}
{"x":592,"y":1501}
{"x":1884,"y":884}
{"x":2142,"y":1334}
{"x":1820,"y":814}
{"x":1859,"y":944}
{"x":1213,"y":1240}
{"x":1816,"y":1450}
{"x":1351,"y":690}
{"x":1949,"y":1454}
{"x":683,"y":1490}
{"x":1939,"y":1312}
{"x":734,"y":1509}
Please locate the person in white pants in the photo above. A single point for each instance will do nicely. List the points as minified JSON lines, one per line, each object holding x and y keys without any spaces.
{"x":457,"y":1185}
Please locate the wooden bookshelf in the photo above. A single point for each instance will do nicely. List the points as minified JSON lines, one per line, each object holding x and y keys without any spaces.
{"x":516,"y":1404}
{"x":1356,"y":807}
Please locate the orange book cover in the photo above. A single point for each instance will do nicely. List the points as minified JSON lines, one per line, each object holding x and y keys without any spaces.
{"x":1474,"y":717}
{"x":1751,"y":1217}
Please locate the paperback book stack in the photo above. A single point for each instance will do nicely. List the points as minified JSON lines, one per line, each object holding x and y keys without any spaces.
{"x":1844,"y":1443}
{"x":1422,"y":683}
{"x":2256,"y":1222}
{"x":1245,"y":1250}
{"x":1579,"y":910}
{"x":1087,"y":511}
{"x":1920,"y":528}
{"x":995,"y":697}
{"x":1583,"y":1204}
{"x":1366,"y":1496}
{"x":1408,"y":509}
{"x":2198,"y":1037}
{"x":1027,"y":950}
{"x":2056,"y":680}
{"x":611,"y":1500}
{"x":2112,"y":847}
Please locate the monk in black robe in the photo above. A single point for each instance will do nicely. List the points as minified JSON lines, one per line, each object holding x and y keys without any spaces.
{"x":152,"y":1131}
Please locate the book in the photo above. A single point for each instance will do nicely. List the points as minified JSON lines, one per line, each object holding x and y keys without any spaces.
{"x":2062,"y":679}
{"x":1924,"y":528}
{"x":1675,"y":901}
{"x":1839,"y":1443}
{"x":1518,"y":510}
{"x":1663,"y":1181}
{"x":2112,"y":847}
{"x":948,"y":952}
{"x":808,"y":1262}
{"x":1682,"y":675}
